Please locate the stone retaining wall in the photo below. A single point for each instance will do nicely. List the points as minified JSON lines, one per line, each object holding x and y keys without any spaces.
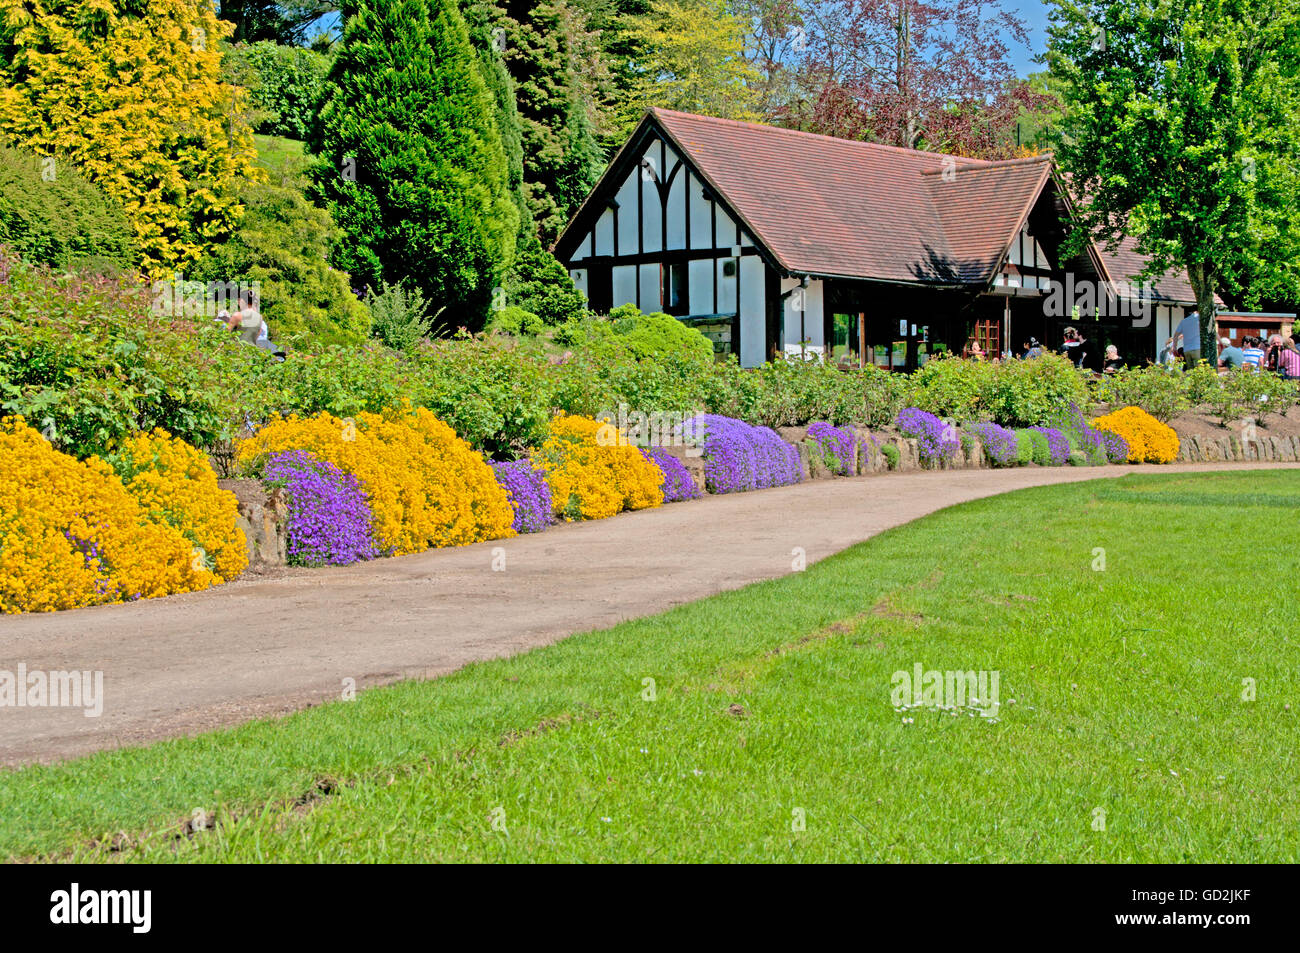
{"x":262,"y":514}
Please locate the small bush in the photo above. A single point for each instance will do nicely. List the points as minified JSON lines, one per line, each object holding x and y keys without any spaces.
{"x":530,"y":494}
{"x":329,"y":521}
{"x":678,"y":484}
{"x":937,"y":442}
{"x":593,"y":476}
{"x":891,"y":454}
{"x":1000,"y":446}
{"x":515,"y":321}
{"x":1160,"y":391}
{"x":1055,"y":447}
{"x":426,"y":487}
{"x":644,"y":336}
{"x":951,"y":387}
{"x":399,"y":316}
{"x":836,"y":446}
{"x":739,"y":457}
{"x":1025,"y":393}
{"x":1146,"y":439}
{"x":72,"y":535}
{"x":176,"y":484}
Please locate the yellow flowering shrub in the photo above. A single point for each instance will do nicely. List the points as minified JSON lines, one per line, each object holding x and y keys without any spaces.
{"x":175,"y":484}
{"x":1148,"y":439}
{"x":593,"y":476}
{"x":426,"y":486}
{"x":71,"y":535}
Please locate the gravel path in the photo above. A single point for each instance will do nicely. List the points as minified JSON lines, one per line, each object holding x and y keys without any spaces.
{"x":263,"y":646}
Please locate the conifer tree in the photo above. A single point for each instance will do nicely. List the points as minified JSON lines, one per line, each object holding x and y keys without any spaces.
{"x":412,"y":162}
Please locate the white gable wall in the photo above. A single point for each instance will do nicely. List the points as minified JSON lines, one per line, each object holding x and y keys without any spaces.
{"x":641,"y":225}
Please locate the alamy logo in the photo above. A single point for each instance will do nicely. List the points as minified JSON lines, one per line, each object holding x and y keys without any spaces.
{"x":24,"y":689}
{"x":947,"y":690}
{"x":73,"y":906}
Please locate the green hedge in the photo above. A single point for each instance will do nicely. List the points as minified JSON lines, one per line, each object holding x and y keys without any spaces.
{"x":52,"y":216}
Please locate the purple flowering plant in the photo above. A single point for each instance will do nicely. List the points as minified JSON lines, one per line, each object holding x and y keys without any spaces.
{"x":1096,"y":444}
{"x":530,"y":494}
{"x":740,"y":457}
{"x":1000,"y":444}
{"x":837,"y":445}
{"x":329,"y":521}
{"x":1058,"y":445}
{"x":1116,"y":446}
{"x":937,"y":442}
{"x":677,"y":484}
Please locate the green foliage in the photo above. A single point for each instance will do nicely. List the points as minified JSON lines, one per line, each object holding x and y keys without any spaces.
{"x":1025,"y":446}
{"x":891,"y":455}
{"x":288,"y":87}
{"x":1041,"y":449}
{"x":1201,"y":383}
{"x":50,"y":215}
{"x":499,"y":398}
{"x":1028,"y":393}
{"x":413,"y":167}
{"x":515,"y":321}
{"x":343,"y":380}
{"x":540,"y":284}
{"x":1160,"y":391}
{"x":399,"y":316}
{"x":87,"y":362}
{"x":951,"y":387}
{"x":1250,"y":394}
{"x":655,"y":334}
{"x":790,"y":393}
{"x":1181,"y":127}
{"x":282,"y":243}
{"x":561,"y":158}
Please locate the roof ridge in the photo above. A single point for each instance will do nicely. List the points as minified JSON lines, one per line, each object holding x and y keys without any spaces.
{"x":660,"y":111}
{"x":989,"y":165}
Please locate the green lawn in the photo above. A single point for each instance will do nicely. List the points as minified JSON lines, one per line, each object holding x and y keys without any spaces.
{"x":1121,"y":692}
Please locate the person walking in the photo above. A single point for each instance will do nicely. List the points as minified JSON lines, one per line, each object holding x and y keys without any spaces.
{"x":1113,"y":363}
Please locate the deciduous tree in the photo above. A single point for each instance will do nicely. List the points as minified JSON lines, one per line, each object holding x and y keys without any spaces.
{"x":132,"y":94}
{"x":1183,"y":130}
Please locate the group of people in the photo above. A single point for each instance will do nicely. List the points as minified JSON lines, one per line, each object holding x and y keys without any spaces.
{"x":1276,"y":355}
{"x":1074,"y":346}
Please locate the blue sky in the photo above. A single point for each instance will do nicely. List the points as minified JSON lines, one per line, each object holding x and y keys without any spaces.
{"x":1034,"y":13}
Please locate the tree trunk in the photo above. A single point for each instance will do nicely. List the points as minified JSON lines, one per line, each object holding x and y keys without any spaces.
{"x":1201,"y":276}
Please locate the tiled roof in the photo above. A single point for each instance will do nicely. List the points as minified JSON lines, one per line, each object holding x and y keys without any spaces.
{"x":1125,"y":263}
{"x":862,"y":210}
{"x":839,"y":208}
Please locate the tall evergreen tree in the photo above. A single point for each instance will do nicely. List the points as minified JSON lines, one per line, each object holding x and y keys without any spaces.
{"x":545,"y":43}
{"x":487,"y":31}
{"x":412,"y":163}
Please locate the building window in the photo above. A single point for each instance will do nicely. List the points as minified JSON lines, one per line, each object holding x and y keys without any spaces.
{"x":674,"y":294}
